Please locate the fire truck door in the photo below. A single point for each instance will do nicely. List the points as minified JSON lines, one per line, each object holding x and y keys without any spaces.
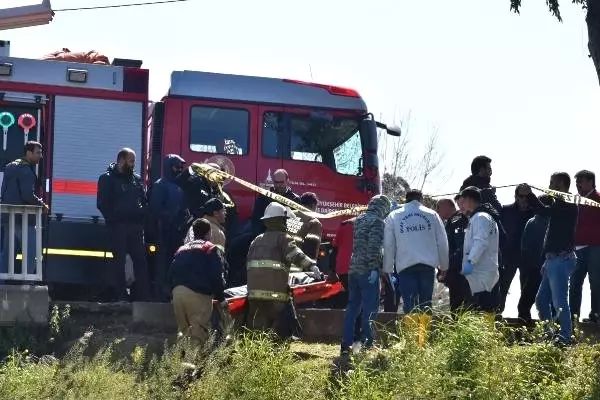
{"x":22,"y":119}
{"x":273,"y":143}
{"x":223,"y":133}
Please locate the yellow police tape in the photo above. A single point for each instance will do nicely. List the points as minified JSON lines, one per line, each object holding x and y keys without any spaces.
{"x":216,"y":175}
{"x":568,"y":197}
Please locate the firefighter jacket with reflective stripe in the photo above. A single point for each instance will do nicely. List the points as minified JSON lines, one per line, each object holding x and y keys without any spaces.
{"x":269,"y":260}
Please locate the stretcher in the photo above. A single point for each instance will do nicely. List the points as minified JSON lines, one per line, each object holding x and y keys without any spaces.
{"x":302,"y":293}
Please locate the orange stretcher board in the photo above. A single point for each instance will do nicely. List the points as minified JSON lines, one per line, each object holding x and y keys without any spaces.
{"x":302,"y":294}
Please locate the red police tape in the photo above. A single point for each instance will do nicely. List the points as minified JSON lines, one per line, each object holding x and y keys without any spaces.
{"x":302,"y":294}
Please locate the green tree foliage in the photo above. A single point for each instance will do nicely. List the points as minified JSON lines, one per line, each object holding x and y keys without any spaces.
{"x":395,"y":187}
{"x":592,"y":19}
{"x":553,"y":6}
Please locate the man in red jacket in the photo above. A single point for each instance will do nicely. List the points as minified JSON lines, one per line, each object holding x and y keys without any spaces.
{"x":587,"y":241}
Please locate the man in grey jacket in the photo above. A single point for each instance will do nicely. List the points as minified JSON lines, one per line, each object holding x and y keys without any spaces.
{"x":365,"y":269}
{"x":18,"y":188}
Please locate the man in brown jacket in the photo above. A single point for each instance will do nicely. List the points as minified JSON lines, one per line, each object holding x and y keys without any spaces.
{"x":270,"y":257}
{"x":310,"y":225}
{"x":215,"y":213}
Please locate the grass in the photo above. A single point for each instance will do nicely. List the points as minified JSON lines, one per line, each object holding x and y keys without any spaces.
{"x":463,"y":359}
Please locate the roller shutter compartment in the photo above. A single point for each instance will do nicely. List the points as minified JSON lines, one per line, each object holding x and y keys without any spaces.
{"x":88,"y":134}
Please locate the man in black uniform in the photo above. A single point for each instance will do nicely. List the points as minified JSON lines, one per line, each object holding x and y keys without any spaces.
{"x":455,"y":231}
{"x":122,"y":201}
{"x":281,"y":186}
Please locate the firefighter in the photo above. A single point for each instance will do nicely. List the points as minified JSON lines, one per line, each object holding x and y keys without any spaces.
{"x":196,"y":277}
{"x":270,"y":257}
{"x":238,"y":247}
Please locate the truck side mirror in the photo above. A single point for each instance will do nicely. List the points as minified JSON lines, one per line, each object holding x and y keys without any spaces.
{"x":390,"y":130}
{"x":393,"y":130}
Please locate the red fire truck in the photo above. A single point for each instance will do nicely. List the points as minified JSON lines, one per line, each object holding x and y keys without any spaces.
{"x":322,"y":135}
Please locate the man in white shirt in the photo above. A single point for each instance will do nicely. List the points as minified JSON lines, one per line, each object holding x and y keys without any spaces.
{"x":415,"y":241}
{"x":480,"y":251}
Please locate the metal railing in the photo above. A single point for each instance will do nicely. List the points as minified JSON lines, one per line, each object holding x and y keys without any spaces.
{"x":11,"y":237}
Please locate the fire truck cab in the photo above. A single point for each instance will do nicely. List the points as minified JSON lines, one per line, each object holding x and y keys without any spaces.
{"x":322,"y":135}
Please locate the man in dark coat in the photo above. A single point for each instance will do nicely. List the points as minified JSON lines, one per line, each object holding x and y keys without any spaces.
{"x":168,"y":206}
{"x":122,"y":201}
{"x":280,"y":186}
{"x":514,"y":217}
{"x":481,"y":173}
{"x":455,"y":231}
{"x":532,"y":259}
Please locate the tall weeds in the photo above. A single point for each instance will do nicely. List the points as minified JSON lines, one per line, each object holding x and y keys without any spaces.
{"x":467,"y":358}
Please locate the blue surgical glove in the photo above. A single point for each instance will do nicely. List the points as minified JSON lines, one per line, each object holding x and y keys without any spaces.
{"x":467,"y":268}
{"x":373,"y":276}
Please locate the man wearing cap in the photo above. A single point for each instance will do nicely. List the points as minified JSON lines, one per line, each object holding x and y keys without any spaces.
{"x":168,"y":207}
{"x":215,"y":213}
{"x":269,"y":260}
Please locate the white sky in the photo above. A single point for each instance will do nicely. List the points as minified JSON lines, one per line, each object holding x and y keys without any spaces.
{"x":520,"y":89}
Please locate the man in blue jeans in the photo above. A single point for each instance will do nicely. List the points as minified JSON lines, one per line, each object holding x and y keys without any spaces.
{"x":415,"y":242}
{"x":559,"y":250}
{"x":365,"y":271}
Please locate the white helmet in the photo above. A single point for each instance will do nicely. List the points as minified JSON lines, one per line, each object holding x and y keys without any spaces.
{"x":275,"y":210}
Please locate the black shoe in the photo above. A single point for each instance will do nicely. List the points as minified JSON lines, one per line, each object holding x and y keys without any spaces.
{"x":345,"y":351}
{"x":525,"y":319}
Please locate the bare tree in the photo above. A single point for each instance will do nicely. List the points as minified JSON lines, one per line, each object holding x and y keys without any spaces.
{"x":393,"y":151}
{"x":404,"y":166}
{"x":432,"y":158}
